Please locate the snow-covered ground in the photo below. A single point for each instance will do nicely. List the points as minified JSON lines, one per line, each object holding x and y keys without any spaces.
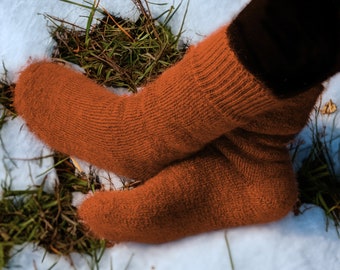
{"x":301,"y":242}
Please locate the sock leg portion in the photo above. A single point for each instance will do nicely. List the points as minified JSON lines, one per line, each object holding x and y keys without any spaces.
{"x":199,"y":194}
{"x":196,"y":101}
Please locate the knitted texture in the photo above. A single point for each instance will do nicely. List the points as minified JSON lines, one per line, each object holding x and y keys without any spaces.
{"x":191,"y":104}
{"x":207,"y":135}
{"x":244,"y":177}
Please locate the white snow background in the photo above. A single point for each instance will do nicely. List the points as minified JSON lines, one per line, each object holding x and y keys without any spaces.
{"x":303,"y":242}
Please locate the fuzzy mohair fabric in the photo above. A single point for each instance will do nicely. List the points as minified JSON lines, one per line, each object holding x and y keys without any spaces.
{"x":208,"y":139}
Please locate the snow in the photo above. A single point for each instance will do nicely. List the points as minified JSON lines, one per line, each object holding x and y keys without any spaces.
{"x":294,"y":243}
{"x":302,"y":242}
{"x":21,"y":165}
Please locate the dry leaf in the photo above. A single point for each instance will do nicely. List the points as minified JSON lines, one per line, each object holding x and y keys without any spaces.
{"x":329,"y":108}
{"x":76,"y":165}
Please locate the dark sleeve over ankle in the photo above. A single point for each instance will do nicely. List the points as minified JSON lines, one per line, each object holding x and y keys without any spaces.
{"x":290,"y":45}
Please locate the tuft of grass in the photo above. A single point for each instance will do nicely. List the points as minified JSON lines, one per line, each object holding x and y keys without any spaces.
{"x":6,"y":102}
{"x":118,"y":52}
{"x":6,"y":99}
{"x":318,"y":183}
{"x":6,"y":95}
{"x":47,"y":219}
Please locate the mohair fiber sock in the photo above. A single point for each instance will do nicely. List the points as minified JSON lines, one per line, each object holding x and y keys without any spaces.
{"x":244,"y":177}
{"x":208,"y":135}
{"x":199,"y":194}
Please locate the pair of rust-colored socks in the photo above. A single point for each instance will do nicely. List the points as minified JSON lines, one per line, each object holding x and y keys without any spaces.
{"x":208,"y":138}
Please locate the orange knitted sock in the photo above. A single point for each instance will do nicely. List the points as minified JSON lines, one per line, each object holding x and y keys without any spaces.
{"x":243,"y":177}
{"x":203,"y":96}
{"x":208,"y":101}
{"x":199,"y":194}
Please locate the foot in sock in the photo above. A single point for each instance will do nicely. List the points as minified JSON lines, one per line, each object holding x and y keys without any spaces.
{"x":253,"y":94}
{"x":230,"y":183}
{"x":204,"y":192}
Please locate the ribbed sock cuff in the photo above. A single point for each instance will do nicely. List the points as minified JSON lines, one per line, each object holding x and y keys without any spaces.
{"x":232,"y":89}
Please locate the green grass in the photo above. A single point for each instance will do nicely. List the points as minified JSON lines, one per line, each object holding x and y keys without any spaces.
{"x":6,"y":94}
{"x":317,"y":179}
{"x":232,"y":265}
{"x":49,"y":220}
{"x":6,"y":100}
{"x":118,"y":52}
